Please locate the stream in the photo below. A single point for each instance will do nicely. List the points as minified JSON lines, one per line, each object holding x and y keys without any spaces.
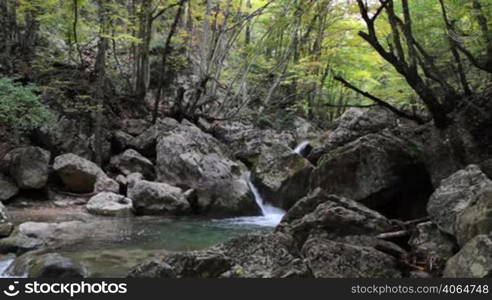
{"x":116,"y":244}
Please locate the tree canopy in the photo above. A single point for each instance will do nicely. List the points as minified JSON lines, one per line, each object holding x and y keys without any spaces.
{"x":225,"y":59}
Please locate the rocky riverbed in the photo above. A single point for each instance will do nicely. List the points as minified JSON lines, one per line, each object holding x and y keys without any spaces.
{"x":374,"y":196}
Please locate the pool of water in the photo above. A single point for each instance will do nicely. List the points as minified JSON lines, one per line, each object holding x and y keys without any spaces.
{"x":115,"y":245}
{"x":148,"y":237}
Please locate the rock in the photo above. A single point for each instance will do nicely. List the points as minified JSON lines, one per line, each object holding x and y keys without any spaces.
{"x":486,"y":167}
{"x":110,"y":204}
{"x":380,"y":170}
{"x":281,"y":176}
{"x":19,"y":244}
{"x":419,"y":274}
{"x":134,"y":178}
{"x":330,"y":259}
{"x":455,"y":194}
{"x":467,"y":140}
{"x":6,"y":229}
{"x":154,"y":268}
{"x":54,"y":265}
{"x":122,"y":180}
{"x":197,"y":264}
{"x":5,"y":226}
{"x":334,"y":216}
{"x":4,"y":217}
{"x":246,"y":141}
{"x":8,"y":189}
{"x":121,"y":141}
{"x":131,"y":161}
{"x":264,"y":256}
{"x":227,"y":198}
{"x":305,"y":130}
{"x":353,"y":124}
{"x":35,"y":235}
{"x":476,"y":218}
{"x":146,"y":142}
{"x":432,"y":243}
{"x":192,"y":159}
{"x":134,"y":127}
{"x":474,"y":260}
{"x":29,"y":167}
{"x":69,"y":200}
{"x":72,"y":135}
{"x":106,"y":184}
{"x":82,"y":176}
{"x":157,"y":198}
{"x":250,"y":256}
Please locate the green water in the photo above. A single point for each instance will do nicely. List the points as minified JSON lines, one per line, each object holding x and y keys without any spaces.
{"x":114,"y":245}
{"x":112,"y":253}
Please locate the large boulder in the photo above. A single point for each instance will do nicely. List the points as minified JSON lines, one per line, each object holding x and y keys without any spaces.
{"x":380,"y":170}
{"x":331,"y":259}
{"x":8,"y":188}
{"x":72,"y":134}
{"x":81,"y":175}
{"x":281,"y":176}
{"x":30,"y":236}
{"x":333,"y":217}
{"x":474,"y":260}
{"x":264,"y":256}
{"x":250,"y":256}
{"x":228,"y":198}
{"x":154,"y":198}
{"x":49,"y":265}
{"x":338,"y":237}
{"x":131,"y":161}
{"x":196,"y":264}
{"x":110,"y":204}
{"x":29,"y":167}
{"x":458,"y":198}
{"x":191,"y":159}
{"x":246,"y":141}
{"x":477,"y":217}
{"x":353,"y":124}
{"x":427,"y":240}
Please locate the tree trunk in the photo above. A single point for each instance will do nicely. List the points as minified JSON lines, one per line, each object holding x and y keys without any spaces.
{"x":100,"y":70}
{"x":145,"y":35}
{"x":163,"y":81}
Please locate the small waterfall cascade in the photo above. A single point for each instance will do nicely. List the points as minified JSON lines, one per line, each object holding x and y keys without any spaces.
{"x":271,"y":216}
{"x":267,"y":210}
{"x":301,"y":147}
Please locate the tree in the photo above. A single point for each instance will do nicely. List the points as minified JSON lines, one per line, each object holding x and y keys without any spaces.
{"x":8,"y":30}
{"x":410,"y":59}
{"x":100,"y":72}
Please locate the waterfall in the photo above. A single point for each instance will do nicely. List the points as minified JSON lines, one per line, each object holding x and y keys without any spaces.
{"x":271,"y":215}
{"x":301,"y":147}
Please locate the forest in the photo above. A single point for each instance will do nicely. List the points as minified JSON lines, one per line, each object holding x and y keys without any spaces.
{"x":203,"y":138}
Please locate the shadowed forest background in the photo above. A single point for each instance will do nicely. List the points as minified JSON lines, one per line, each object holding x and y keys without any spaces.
{"x":225,"y":59}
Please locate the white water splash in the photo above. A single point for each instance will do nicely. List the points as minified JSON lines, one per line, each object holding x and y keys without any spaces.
{"x":271,"y":216}
{"x":301,"y":147}
{"x":4,"y":265}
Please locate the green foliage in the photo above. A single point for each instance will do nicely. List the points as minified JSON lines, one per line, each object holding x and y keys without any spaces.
{"x":20,"y":108}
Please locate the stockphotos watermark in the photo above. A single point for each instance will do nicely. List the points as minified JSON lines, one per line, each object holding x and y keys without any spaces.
{"x":72,"y":289}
